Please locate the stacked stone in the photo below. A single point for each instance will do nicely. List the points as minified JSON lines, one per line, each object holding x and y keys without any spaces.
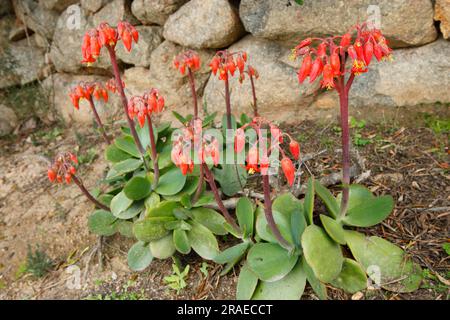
{"x":41,"y":40}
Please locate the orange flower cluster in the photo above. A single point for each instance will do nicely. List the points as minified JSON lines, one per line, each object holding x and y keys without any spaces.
{"x":188,"y":59}
{"x":87,"y":90}
{"x":141,"y":106}
{"x":63,"y":168}
{"x":226,"y":63}
{"x":105,"y":35}
{"x":328,"y":58}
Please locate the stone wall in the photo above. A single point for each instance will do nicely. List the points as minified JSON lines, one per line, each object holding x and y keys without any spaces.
{"x":41,"y":40}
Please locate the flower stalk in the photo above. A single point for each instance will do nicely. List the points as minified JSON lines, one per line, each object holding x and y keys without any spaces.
{"x":98,"y":120}
{"x":153,"y":151}
{"x":88,"y":195}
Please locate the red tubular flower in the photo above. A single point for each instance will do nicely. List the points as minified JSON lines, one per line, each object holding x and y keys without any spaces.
{"x":305,"y":69}
{"x":128,"y":33}
{"x":239,"y":140}
{"x":335,"y":62}
{"x":368,"y":52}
{"x":288,"y":169}
{"x":328,"y":77}
{"x":294,"y":147}
{"x":252,"y":160}
{"x":316,"y":69}
{"x":345,"y":40}
{"x":87,"y":90}
{"x":107,"y":35}
{"x":51,"y":175}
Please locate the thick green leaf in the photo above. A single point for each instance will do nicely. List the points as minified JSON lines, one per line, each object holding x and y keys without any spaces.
{"x":205,"y":199}
{"x":181,"y":241}
{"x":370,"y":213}
{"x":164,"y":209}
{"x":245,"y":215}
{"x":137,"y":188}
{"x":352,"y":277}
{"x":180,"y":118}
{"x":101,"y":222}
{"x":358,"y":194}
{"x":203,"y":241}
{"x":163,"y":248}
{"x":263,"y":230}
{"x":290,"y":287}
{"x":144,"y":135}
{"x":150,"y":229}
{"x":171,"y":182}
{"x":247,"y":283}
{"x":308,"y":203}
{"x":120,"y":203}
{"x":106,"y":199}
{"x":333,"y":228}
{"x":209,"y":119}
{"x":126,"y":166}
{"x":327,"y":198}
{"x":164,"y":157}
{"x":231,"y":178}
{"x":210,"y":219}
{"x":323,"y":255}
{"x":152,"y":201}
{"x":132,"y":211}
{"x":318,"y":287}
{"x":125,"y":228}
{"x":188,"y":189}
{"x":270,"y":262}
{"x":139,"y":256}
{"x":114,"y":154}
{"x":385,"y":263}
{"x":231,"y":254}
{"x":127,"y":145}
{"x":225,"y":124}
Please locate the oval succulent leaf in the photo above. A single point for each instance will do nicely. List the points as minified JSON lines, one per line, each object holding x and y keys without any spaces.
{"x":210,"y":219}
{"x":232,"y":253}
{"x":333,"y":228}
{"x":139,"y":256}
{"x":318,"y":287}
{"x":327,"y":198}
{"x":322,"y":254}
{"x":263,"y":230}
{"x":163,"y":248}
{"x":352,"y":277}
{"x":181,"y":241}
{"x":114,"y":154}
{"x":203,"y":241}
{"x":127,"y":145}
{"x":385,"y":263}
{"x":370,"y":213}
{"x":101,"y":222}
{"x":290,"y":287}
{"x":120,"y":203}
{"x":308,"y":203}
{"x":137,"y":188}
{"x":245,"y":215}
{"x":270,"y":262}
{"x":171,"y":182}
{"x":150,"y":229}
{"x":247,"y":283}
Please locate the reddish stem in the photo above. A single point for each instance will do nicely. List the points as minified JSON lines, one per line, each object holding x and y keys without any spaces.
{"x":199,"y":190}
{"x":99,"y":121}
{"x":255,"y":106}
{"x":153,"y":150}
{"x":112,"y":55}
{"x":228,"y":103}
{"x":88,"y":194}
{"x":194,"y":92}
{"x":223,"y":209}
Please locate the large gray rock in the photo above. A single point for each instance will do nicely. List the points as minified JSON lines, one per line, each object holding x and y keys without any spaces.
{"x":155,"y":11}
{"x":8,"y":120}
{"x":163,"y":76}
{"x":57,"y":5}
{"x":442,"y":14}
{"x":113,"y":12}
{"x":21,"y":62}
{"x":405,"y":22}
{"x":204,"y":24}
{"x":279,"y":95}
{"x":93,"y":5}
{"x":36,"y":17}
{"x":58,"y":85}
{"x":65,"y":52}
{"x":415,"y":76}
{"x":150,"y":37}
